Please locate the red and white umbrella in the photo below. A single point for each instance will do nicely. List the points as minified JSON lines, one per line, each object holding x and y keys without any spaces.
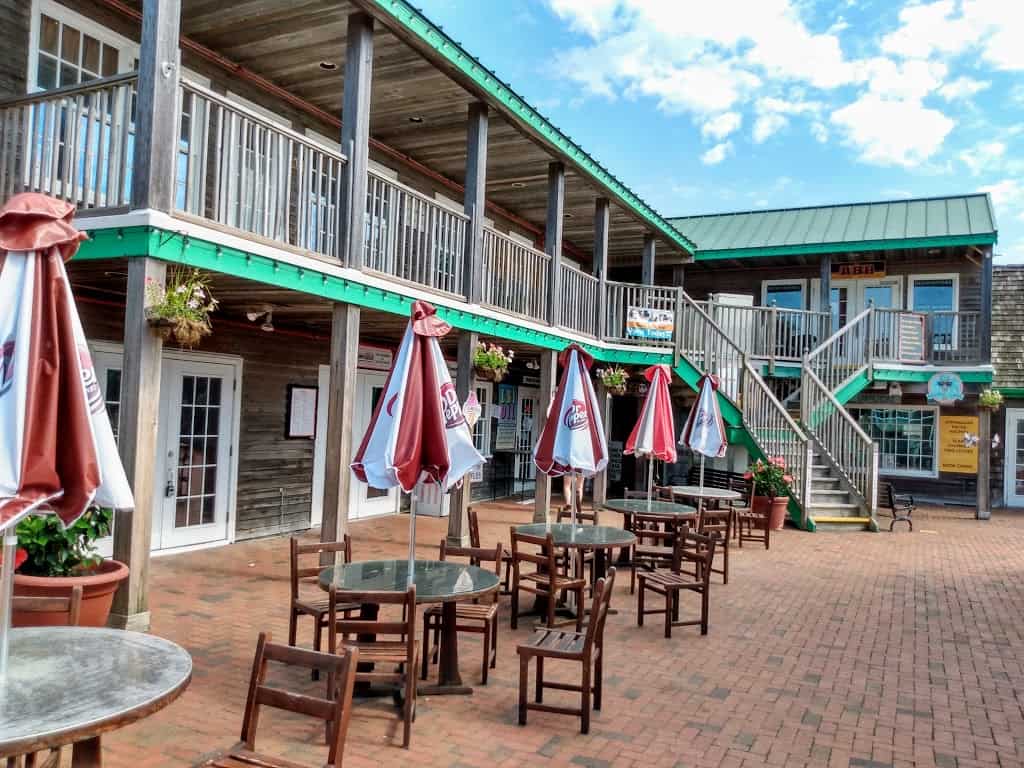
{"x":57,"y":450}
{"x":418,"y":434}
{"x":704,"y":432}
{"x":654,"y":435}
{"x":572,"y":441}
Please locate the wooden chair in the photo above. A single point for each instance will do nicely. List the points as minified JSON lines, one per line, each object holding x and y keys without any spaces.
{"x":546,"y":582}
{"x":900,"y":505}
{"x":335,"y":709}
{"x":628,"y":494}
{"x":475,"y":618}
{"x":664,"y":493}
{"x":72,"y":606}
{"x":398,"y":655}
{"x":718,"y":522}
{"x":692,"y":548}
{"x":584,"y":516}
{"x":506,"y":556}
{"x":313,"y":604}
{"x":751,"y":525}
{"x":585,"y":648}
{"x":655,"y":542}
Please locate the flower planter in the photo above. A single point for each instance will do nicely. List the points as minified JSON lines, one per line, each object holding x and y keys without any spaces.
{"x":97,"y":594}
{"x":490,"y":374}
{"x":161,"y":326}
{"x":618,"y":391}
{"x":775,"y":509}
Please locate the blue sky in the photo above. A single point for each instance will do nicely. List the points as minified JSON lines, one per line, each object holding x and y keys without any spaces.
{"x":737,"y":104}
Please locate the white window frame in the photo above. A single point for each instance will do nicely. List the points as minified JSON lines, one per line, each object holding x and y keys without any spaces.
{"x":954,"y":276}
{"x":485,"y":414}
{"x":801,"y":281}
{"x":935,"y":442}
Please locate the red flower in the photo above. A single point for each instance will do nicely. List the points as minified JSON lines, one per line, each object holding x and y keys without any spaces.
{"x":780,"y":462}
{"x":788,"y":478}
{"x":748,"y":475}
{"x":20,"y":556}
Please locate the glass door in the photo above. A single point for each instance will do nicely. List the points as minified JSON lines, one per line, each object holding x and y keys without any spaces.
{"x":1014,"y":483}
{"x":526,"y":430}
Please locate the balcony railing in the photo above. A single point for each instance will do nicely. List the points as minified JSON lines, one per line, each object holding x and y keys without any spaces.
{"x":515,"y":276}
{"x":75,"y":143}
{"x":578,"y":309}
{"x":640,"y":314}
{"x":771,"y":333}
{"x":900,"y":336}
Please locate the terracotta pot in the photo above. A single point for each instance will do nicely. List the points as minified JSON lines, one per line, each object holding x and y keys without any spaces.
{"x":97,"y":594}
{"x":775,"y":509}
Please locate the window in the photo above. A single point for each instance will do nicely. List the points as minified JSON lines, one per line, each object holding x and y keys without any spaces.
{"x":938,"y":294}
{"x":482,"y":428}
{"x":785,"y":294}
{"x":905,"y":438}
{"x":68,"y":56}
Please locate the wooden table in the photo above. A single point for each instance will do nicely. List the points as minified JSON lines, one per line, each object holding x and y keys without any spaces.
{"x":70,"y":685}
{"x":437,"y":581}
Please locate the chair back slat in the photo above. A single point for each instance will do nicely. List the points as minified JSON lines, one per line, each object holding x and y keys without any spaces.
{"x":716,"y":522}
{"x":546,"y":558}
{"x":476,"y":555}
{"x":404,"y":629}
{"x":298,"y":551}
{"x":600,"y":605}
{"x":589,"y":515}
{"x":474,"y":527}
{"x":695,"y":548}
{"x":70,"y":605}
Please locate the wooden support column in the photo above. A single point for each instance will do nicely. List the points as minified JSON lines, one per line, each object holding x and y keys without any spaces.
{"x":355,"y":135}
{"x":985,"y":326}
{"x":604,"y":403}
{"x":458,"y":512}
{"x":340,"y":405}
{"x":647,"y":268}
{"x":548,"y":383}
{"x":601,"y":224}
{"x":553,"y":238}
{"x":156,"y":142}
{"x":825,"y":286}
{"x":984,"y":510}
{"x":679,"y":276}
{"x":137,"y":444}
{"x":475,"y":200}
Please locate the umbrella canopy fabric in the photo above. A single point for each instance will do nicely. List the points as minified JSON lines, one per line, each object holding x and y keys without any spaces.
{"x":418,"y":433}
{"x":655,"y":432}
{"x":573,"y":437}
{"x":704,"y":432}
{"x":57,"y":449}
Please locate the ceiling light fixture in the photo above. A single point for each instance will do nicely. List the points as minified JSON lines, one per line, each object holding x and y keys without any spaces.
{"x":518,"y":184}
{"x":415,"y":119}
{"x":266,"y":311}
{"x":327,"y":66}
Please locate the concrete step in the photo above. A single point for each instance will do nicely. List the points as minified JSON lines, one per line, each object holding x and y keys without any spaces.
{"x":834,"y":508}
{"x":824,"y":480}
{"x":829,"y":495}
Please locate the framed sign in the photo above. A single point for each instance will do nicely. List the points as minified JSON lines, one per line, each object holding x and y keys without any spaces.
{"x":860,"y":269}
{"x":945,"y":389}
{"x":958,"y":444}
{"x":642,"y":323}
{"x":300,"y":415}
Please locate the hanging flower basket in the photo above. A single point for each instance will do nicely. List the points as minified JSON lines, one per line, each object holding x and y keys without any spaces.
{"x":181,"y":310}
{"x":614,"y":379}
{"x":991,"y":399}
{"x":491,"y":361}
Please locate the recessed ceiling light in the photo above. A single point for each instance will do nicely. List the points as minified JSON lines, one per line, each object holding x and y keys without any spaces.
{"x":327,"y":66}
{"x":518,"y":184}
{"x":415,"y":119}
{"x":569,"y":215}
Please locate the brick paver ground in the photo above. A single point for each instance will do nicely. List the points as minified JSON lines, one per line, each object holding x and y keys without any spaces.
{"x":829,"y":650}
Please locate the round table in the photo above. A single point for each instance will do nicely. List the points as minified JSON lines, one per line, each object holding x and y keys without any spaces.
{"x":69,"y":685}
{"x":437,"y":581}
{"x":670,"y":510}
{"x":710,"y":494}
{"x":583,"y":537}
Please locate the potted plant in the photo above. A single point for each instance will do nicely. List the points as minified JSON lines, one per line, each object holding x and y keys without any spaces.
{"x":614,"y":379}
{"x":491,"y":361}
{"x":54,"y":559}
{"x":771,"y":490}
{"x":181,"y":309}
{"x":991,"y":399}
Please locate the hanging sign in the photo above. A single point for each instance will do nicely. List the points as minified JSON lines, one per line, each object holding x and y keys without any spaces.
{"x":945,"y":388}
{"x":505,"y":434}
{"x":860,"y":269}
{"x":958,"y":444}
{"x":372,"y":358}
{"x":643,"y":323}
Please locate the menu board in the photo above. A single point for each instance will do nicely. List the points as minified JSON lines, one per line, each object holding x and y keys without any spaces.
{"x":958,"y":444}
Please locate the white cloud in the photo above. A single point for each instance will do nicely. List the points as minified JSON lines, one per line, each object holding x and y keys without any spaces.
{"x":1008,"y":193}
{"x":904,"y":80}
{"x":717,"y":153}
{"x":892,"y":131}
{"x":768,"y":125}
{"x":592,"y":17}
{"x":984,"y":156}
{"x":963,"y":88}
{"x":819,"y":131}
{"x":721,"y":126}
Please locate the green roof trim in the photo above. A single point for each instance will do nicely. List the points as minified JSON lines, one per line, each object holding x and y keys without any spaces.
{"x":457,"y":56}
{"x":874,"y":226}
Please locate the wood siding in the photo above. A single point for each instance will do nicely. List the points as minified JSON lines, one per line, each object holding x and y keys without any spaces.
{"x":14,"y":37}
{"x":1008,"y":326}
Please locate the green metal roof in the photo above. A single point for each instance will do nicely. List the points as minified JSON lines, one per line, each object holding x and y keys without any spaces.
{"x":516,"y":107}
{"x":921,"y":223}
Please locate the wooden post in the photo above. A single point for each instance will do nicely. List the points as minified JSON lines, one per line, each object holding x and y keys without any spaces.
{"x":678,"y":276}
{"x":553,"y":238}
{"x":985,"y":315}
{"x":647,"y":269}
{"x":548,"y":383}
{"x":137,"y":444}
{"x":475,"y":202}
{"x":355,"y":135}
{"x":604,"y":403}
{"x":340,"y":407}
{"x":156,"y":140}
{"x":458,"y":512}
{"x":825,"y":286}
{"x":601,"y":223}
{"x":984,"y":510}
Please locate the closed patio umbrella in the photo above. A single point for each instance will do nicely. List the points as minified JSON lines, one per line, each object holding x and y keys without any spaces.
{"x":654,"y":435}
{"x":704,"y":432}
{"x":418,"y":433}
{"x":57,"y":450}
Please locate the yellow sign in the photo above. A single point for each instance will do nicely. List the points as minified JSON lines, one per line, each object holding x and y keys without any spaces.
{"x":958,"y":444}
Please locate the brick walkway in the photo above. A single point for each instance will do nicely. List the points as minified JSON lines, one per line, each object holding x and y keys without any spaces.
{"x":829,"y":650}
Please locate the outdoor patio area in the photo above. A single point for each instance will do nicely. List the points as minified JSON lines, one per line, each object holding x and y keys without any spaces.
{"x":828,"y":650}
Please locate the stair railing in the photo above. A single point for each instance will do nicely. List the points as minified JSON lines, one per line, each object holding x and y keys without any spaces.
{"x":777,"y":434}
{"x":844,"y":354}
{"x":701,"y":341}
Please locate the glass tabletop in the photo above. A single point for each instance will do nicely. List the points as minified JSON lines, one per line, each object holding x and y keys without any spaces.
{"x":584,"y":536}
{"x":653,"y":507}
{"x":437,"y":581}
{"x":696,"y":492}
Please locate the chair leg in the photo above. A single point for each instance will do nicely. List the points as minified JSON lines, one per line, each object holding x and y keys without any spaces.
{"x":487,"y":653}
{"x":598,"y":678}
{"x":585,"y":699}
{"x":579,"y":609}
{"x":704,"y":604}
{"x":410,"y":703}
{"x":426,"y":647}
{"x":540,"y":680}
{"x":668,"y":614}
{"x":293,"y":627}
{"x":494,"y":643}
{"x":551,"y":608}
{"x":318,"y":633}
{"x":514,"y":621}
{"x":640,"y":606}
{"x":725,"y":565}
{"x":524,"y":675}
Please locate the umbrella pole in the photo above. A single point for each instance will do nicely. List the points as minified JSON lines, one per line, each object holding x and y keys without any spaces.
{"x":10,"y":547}
{"x":412,"y":542}
{"x":650,"y":480}
{"x":700,"y":499}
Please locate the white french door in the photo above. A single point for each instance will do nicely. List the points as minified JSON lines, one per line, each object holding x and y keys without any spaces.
{"x":1014,"y":469}
{"x":527,"y":427}
{"x":365,"y":501}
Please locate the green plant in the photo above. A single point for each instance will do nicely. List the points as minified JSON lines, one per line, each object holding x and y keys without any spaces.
{"x":990,"y":398}
{"x":613,"y":378}
{"x":182,"y":308}
{"x":492,"y":359}
{"x":770,"y":477}
{"x":53,"y":550}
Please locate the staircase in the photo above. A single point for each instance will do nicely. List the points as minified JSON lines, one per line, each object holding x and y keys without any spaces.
{"x":832,"y":505}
